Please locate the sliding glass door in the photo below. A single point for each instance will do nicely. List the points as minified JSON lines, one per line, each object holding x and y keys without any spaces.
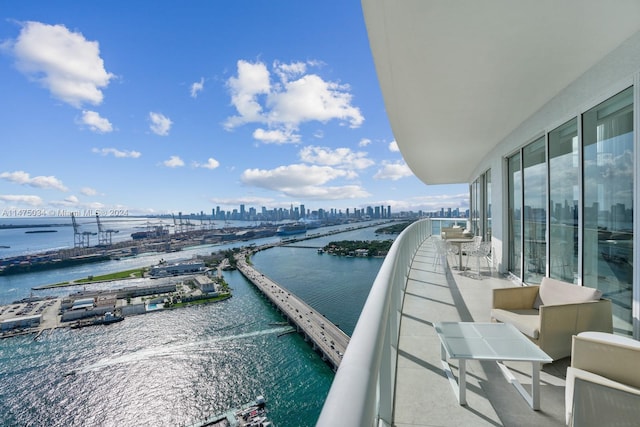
{"x":608,"y":202}
{"x":534,"y":214}
{"x":514,"y":215}
{"x":487,"y":206}
{"x":564,"y":190}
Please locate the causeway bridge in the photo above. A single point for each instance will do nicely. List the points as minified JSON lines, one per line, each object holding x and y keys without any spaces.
{"x":325,"y":337}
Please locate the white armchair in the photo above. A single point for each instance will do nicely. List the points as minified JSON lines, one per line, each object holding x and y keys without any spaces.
{"x":603,"y":381}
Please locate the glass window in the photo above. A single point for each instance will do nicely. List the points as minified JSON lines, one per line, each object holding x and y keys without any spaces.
{"x":515,"y":203}
{"x":608,"y":203}
{"x":534,"y":214}
{"x":564,"y":176}
{"x":475,"y":207}
{"x":487,"y":206}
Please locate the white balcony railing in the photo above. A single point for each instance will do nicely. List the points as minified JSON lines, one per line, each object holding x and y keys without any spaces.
{"x":362,"y":392}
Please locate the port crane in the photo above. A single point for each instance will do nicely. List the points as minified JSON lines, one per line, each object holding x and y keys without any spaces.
{"x":177,"y":227}
{"x":80,"y":238}
{"x":104,"y":236}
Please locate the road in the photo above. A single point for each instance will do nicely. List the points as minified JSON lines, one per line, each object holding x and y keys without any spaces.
{"x":326,"y":337}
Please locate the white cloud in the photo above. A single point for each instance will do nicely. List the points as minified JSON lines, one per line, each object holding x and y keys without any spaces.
{"x":23,"y":199}
{"x":289,"y":71}
{"x":173,"y":162}
{"x":197,"y":87}
{"x":364,"y":142}
{"x":252,"y":81}
{"x":276,"y":136}
{"x":295,"y":99}
{"x":117,"y":153}
{"x":311,"y":98}
{"x":393,"y":146}
{"x":211,"y":164}
{"x":393,"y":171}
{"x":160,"y":124}
{"x":303,"y":181}
{"x":74,"y":202}
{"x":340,"y":157}
{"x":292,"y":175}
{"x":23,"y":178}
{"x":62,"y":61}
{"x":88,"y":191}
{"x":95,"y":122}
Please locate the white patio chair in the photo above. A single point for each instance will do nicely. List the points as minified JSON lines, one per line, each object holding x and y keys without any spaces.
{"x":441,"y":252}
{"x":482,"y":250}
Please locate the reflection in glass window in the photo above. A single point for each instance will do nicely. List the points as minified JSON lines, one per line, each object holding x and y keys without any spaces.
{"x":564,"y":176}
{"x":534,"y":214}
{"x":515,"y":203}
{"x":475,"y":207}
{"x":608,"y":203}
{"x":487,"y":206}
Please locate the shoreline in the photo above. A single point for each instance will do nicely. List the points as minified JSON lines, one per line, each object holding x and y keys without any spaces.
{"x":35,"y":315}
{"x":97,"y":280}
{"x":71,"y":256}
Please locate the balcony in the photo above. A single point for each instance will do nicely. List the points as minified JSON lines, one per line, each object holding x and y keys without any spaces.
{"x":391,"y":374}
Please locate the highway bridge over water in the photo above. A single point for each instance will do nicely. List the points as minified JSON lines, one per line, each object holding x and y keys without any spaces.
{"x":326,"y":338}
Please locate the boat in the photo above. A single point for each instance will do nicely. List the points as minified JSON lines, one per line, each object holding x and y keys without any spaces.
{"x":155,"y":232}
{"x":107,"y":319}
{"x":252,"y":414}
{"x":41,"y":231}
{"x":294,"y":228}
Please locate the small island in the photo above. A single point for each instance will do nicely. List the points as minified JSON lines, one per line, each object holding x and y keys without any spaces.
{"x":394,"y":228}
{"x":359,"y":248}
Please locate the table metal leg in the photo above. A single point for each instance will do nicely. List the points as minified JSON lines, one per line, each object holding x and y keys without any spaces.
{"x":532,"y":399}
{"x":462,"y":386}
{"x":459,"y":387}
{"x":535,"y":386}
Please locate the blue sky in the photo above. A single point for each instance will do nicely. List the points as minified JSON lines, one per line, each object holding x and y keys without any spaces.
{"x":165,"y":106}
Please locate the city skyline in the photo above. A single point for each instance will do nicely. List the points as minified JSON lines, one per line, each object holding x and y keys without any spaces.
{"x":243,"y":214}
{"x":165,"y":109}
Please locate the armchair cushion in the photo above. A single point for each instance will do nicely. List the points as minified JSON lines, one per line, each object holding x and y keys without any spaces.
{"x":556,"y":292}
{"x":526,"y":321}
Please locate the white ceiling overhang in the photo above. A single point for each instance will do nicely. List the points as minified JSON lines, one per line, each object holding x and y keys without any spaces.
{"x":458,"y":76}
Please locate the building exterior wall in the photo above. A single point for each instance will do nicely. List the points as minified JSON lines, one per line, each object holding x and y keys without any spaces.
{"x":68,"y":316}
{"x":619,"y":70}
{"x":131,"y":309}
{"x":20,"y":322}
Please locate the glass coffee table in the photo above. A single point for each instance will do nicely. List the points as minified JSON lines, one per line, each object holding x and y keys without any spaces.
{"x":489,"y":341}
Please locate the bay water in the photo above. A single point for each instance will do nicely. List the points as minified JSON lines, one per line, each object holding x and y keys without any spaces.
{"x":174,"y":368}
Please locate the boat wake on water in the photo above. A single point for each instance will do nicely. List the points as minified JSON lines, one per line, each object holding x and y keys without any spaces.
{"x":175,"y":350}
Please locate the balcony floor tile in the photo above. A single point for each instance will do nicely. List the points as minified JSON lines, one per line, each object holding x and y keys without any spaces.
{"x":424,"y":396}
